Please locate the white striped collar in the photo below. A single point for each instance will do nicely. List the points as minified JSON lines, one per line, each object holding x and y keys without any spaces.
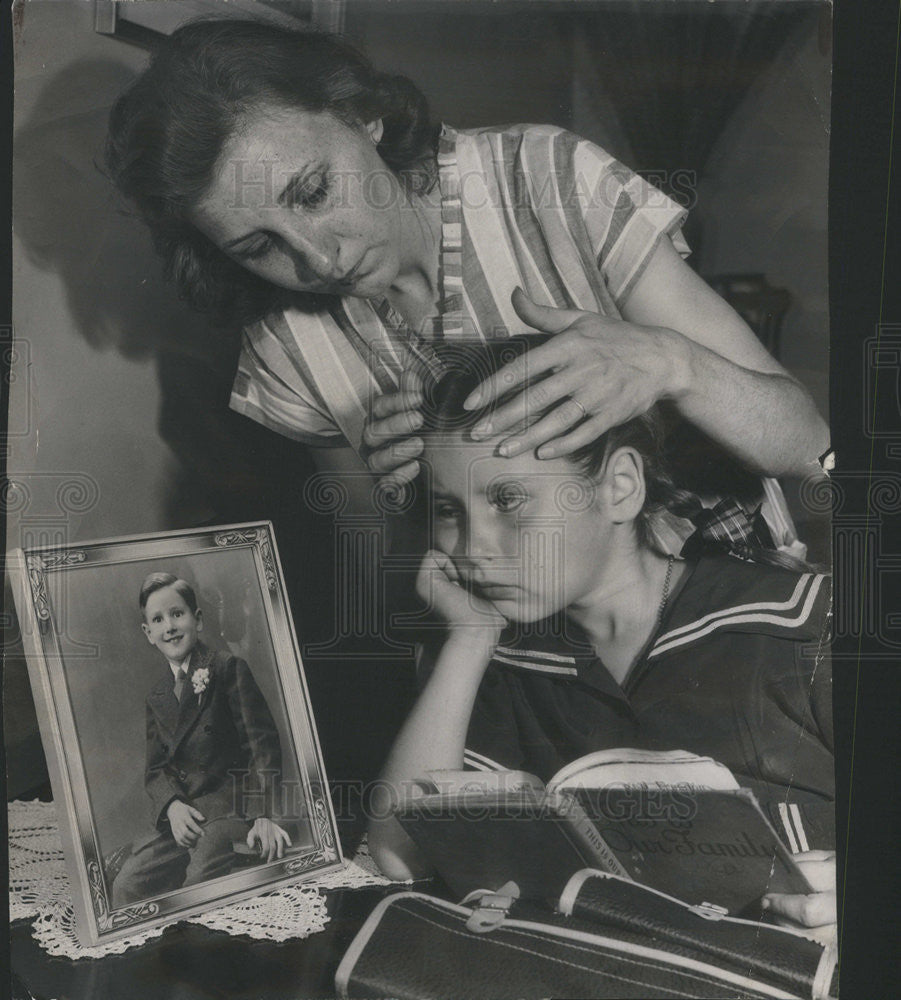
{"x":794,"y":614}
{"x":720,"y":594}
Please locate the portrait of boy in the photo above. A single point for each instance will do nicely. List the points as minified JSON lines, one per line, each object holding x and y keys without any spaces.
{"x":213,"y":757}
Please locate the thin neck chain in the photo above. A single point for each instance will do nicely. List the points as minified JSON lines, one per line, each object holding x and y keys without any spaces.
{"x":669,"y":574}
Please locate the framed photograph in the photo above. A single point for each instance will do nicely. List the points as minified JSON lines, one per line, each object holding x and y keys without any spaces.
{"x":176,"y":722}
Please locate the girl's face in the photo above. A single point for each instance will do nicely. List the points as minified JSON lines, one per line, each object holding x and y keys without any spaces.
{"x":529,"y":536}
{"x":306,"y":202}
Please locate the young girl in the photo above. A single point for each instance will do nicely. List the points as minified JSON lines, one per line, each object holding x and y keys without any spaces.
{"x":567,"y":630}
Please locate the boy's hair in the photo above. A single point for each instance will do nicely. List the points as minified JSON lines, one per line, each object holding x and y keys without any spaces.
{"x":166,"y":133}
{"x":156,"y":581}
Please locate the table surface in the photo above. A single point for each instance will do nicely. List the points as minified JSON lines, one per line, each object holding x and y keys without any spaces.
{"x":190,"y":962}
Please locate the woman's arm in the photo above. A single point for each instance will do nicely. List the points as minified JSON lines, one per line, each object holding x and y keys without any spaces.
{"x":734,"y":391}
{"x":680,"y":342}
{"x":434,"y":734}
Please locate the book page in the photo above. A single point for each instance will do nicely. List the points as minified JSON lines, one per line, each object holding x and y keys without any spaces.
{"x":648,"y":768}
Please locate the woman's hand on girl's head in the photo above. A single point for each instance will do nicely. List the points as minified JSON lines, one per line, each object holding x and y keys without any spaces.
{"x":816,"y":911}
{"x":440,"y":586}
{"x":388,"y":436}
{"x":596,"y":373}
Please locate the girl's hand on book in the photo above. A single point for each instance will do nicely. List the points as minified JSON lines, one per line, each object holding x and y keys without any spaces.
{"x":816,"y":911}
{"x":440,"y":586}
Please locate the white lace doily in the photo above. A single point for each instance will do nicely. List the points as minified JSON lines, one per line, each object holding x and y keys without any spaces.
{"x":39,"y":888}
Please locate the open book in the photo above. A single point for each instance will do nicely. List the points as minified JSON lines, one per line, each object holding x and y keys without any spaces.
{"x":670,"y":820}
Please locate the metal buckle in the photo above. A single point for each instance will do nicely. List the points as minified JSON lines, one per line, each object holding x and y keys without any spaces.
{"x":710,"y":911}
{"x":490,"y":909}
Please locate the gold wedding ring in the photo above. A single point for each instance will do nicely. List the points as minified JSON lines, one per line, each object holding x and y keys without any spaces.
{"x":581,"y":407}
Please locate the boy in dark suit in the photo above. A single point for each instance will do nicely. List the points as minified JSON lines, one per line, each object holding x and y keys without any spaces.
{"x":213,"y":756}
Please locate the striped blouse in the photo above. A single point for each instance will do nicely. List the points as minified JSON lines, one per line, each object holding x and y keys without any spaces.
{"x":524,"y":205}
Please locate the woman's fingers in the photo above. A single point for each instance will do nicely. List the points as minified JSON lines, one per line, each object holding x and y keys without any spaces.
{"x":391,"y":458}
{"x":583,"y":434}
{"x":377,"y":433}
{"x":401,"y":476}
{"x":528,"y":405}
{"x":553,"y":425}
{"x":517,"y":372}
{"x":395,"y":402}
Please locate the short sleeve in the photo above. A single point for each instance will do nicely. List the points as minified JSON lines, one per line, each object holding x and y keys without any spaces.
{"x":626,"y":217}
{"x":270,"y":389}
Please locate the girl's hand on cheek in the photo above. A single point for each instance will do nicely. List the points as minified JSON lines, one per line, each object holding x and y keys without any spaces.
{"x":440,"y":586}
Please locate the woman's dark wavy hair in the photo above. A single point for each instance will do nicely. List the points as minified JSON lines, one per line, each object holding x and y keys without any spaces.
{"x":168,"y":129}
{"x":465,"y":366}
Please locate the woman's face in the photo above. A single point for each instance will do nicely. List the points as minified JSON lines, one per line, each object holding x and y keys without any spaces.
{"x":306,"y":202}
{"x":530,"y":536}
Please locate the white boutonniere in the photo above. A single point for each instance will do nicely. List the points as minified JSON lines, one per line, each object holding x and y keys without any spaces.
{"x":201,"y":681}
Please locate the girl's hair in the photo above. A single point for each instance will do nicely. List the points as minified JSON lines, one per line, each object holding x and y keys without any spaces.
{"x":167,"y":130}
{"x":467,"y":365}
{"x":156,"y":581}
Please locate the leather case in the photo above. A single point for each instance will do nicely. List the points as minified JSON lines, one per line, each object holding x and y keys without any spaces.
{"x":619,"y":941}
{"x":783,"y":958}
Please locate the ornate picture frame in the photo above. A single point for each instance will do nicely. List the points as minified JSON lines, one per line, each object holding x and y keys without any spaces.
{"x":102,"y":692}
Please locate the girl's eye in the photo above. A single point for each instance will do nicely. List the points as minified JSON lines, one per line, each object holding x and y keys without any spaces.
{"x":508,"y":497}
{"x":447,"y":512}
{"x":311,"y":193}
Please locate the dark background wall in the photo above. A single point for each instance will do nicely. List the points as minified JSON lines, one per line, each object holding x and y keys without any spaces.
{"x":118,"y":385}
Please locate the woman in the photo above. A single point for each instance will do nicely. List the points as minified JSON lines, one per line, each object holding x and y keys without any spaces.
{"x":290,"y":185}
{"x":568,"y":630}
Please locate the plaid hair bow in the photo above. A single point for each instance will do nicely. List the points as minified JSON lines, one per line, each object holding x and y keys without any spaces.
{"x":727,"y":527}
